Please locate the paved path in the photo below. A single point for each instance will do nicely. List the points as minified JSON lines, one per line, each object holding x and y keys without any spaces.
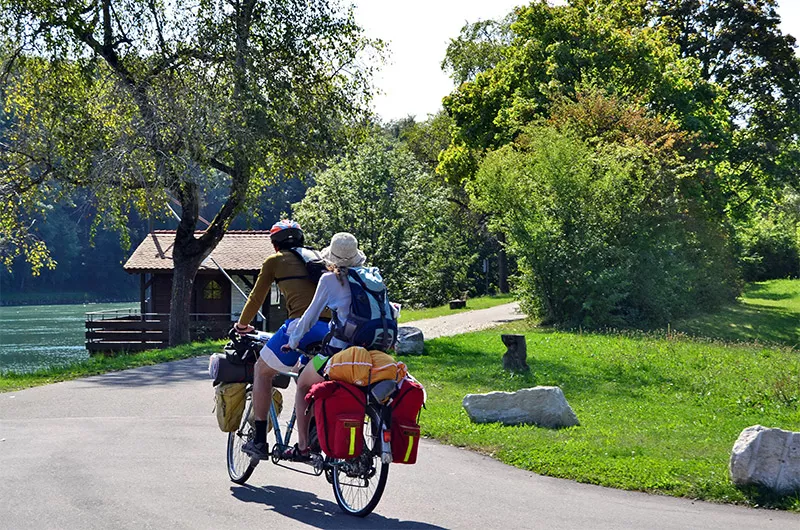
{"x":140,"y":449}
{"x":467,"y":321}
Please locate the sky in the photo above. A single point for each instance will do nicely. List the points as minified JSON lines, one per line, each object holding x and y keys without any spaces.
{"x":418,"y":31}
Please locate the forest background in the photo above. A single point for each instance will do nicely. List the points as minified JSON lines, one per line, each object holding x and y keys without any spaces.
{"x":639,"y":160}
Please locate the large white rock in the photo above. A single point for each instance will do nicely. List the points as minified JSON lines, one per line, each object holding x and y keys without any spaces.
{"x":545,"y":406}
{"x":769,"y":458}
{"x":409,"y":341}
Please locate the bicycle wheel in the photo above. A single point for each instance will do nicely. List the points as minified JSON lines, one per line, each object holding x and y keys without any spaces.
{"x":240,"y":465}
{"x":358,"y":483}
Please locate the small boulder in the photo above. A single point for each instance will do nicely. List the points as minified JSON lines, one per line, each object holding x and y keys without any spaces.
{"x":409,"y":341}
{"x":769,"y":458}
{"x":544,"y":406}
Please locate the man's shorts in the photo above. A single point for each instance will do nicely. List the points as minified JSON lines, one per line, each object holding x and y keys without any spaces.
{"x":284,"y":361}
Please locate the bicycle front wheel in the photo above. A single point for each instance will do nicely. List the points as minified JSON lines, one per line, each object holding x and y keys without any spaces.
{"x":240,"y":465}
{"x":358,"y":483}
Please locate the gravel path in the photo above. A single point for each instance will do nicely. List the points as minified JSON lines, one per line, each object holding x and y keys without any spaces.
{"x":467,"y":321}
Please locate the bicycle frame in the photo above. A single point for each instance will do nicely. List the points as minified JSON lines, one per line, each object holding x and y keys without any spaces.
{"x":283,"y":442}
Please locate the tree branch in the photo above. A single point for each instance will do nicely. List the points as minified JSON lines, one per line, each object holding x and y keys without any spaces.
{"x":220,"y":166}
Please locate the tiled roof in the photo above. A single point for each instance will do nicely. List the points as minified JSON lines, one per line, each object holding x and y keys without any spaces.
{"x":239,"y":250}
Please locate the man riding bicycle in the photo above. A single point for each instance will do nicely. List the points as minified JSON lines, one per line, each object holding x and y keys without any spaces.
{"x":289,"y":271}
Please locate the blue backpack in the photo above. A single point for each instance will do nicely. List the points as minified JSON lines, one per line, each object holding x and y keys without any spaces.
{"x":371,"y":323}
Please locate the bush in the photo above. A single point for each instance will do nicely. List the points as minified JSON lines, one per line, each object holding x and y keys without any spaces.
{"x":603,"y":235}
{"x":770,"y":247}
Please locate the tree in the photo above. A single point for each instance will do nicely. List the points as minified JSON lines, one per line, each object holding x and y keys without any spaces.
{"x":479,"y":47}
{"x":594,"y":205}
{"x":740,"y":47}
{"x":138,"y":100}
{"x":401,"y":216}
{"x":560,"y":51}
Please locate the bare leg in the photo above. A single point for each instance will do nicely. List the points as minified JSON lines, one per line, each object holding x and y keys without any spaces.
{"x":262,"y":389}
{"x":307,"y":379}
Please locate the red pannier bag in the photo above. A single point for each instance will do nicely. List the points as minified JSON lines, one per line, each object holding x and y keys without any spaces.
{"x":339,"y":409}
{"x":406,"y":406}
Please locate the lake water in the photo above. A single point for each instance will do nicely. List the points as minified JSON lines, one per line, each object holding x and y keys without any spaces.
{"x":38,"y":336}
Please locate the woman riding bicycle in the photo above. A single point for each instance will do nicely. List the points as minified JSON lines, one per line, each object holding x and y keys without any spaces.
{"x":333,"y":292}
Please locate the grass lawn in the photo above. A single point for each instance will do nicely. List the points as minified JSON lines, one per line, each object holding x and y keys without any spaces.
{"x":768,"y":312}
{"x":101,"y":365}
{"x":657,"y":414}
{"x":482,"y":302}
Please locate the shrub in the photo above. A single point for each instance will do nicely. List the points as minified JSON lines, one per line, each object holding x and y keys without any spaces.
{"x":603,"y":235}
{"x":770,"y":247}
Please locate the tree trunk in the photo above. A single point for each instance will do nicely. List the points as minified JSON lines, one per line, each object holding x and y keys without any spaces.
{"x":181,"y":305}
{"x":188,"y":252}
{"x":502,"y":264}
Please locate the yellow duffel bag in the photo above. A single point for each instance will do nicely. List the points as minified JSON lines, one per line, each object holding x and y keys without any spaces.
{"x":351,"y":365}
{"x":357,"y":366}
{"x":384,"y":367}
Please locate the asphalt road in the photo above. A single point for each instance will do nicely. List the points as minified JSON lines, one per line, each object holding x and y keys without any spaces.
{"x":141,"y":449}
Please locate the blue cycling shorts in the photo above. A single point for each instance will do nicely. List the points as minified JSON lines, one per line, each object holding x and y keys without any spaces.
{"x":281,"y":337}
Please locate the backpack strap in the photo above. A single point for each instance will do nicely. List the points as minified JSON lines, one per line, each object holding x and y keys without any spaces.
{"x":302,"y":260}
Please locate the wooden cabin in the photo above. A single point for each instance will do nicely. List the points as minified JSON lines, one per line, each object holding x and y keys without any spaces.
{"x":216,"y":302}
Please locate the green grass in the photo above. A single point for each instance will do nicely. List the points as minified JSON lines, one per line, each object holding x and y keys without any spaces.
{"x":482,"y":302}
{"x":101,"y":364}
{"x":767,"y":312}
{"x":658,"y":413}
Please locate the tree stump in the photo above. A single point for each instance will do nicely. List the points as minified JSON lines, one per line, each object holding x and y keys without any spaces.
{"x":458,"y":304}
{"x":517,"y":351}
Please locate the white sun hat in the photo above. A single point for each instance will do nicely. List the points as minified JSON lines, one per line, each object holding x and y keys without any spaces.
{"x":343,"y":251}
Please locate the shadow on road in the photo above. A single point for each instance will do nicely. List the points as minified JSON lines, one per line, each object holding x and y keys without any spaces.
{"x":313,"y":511}
{"x":193,"y":369}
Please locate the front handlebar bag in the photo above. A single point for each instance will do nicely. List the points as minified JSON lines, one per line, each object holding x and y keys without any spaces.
{"x":224,"y":368}
{"x":339,"y":409}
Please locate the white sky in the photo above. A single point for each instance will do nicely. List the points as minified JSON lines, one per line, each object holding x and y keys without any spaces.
{"x":418,"y":31}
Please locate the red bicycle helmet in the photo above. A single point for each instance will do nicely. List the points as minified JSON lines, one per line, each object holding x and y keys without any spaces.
{"x":286,"y":231}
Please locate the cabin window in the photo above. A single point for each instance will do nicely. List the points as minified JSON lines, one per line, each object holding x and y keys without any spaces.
{"x":212,"y":291}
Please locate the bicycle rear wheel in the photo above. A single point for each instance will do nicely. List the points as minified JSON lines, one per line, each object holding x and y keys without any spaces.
{"x":240,"y":465}
{"x":358,"y":483}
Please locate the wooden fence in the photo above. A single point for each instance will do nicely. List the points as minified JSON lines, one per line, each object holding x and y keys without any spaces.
{"x":129,"y":330}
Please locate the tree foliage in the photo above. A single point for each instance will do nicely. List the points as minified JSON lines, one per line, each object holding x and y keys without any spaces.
{"x":594,"y":206}
{"x":480,"y":46}
{"x":401,"y":217}
{"x":741,"y":48}
{"x":136,"y":100}
{"x":719,"y":80}
{"x":559,"y":51}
